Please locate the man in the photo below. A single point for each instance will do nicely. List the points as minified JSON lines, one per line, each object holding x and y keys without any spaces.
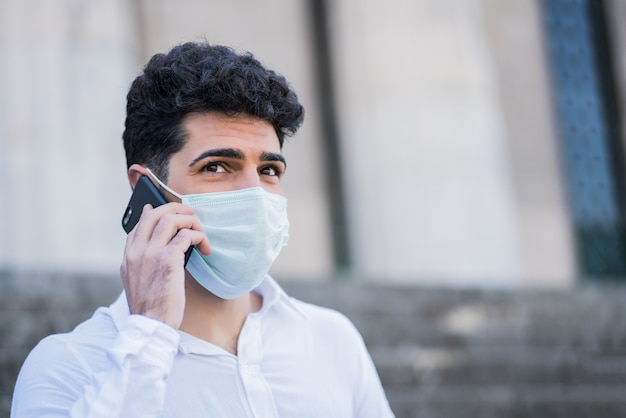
{"x":216,"y":337}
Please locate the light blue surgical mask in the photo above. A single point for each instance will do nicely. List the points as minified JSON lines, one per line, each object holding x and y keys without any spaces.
{"x":247,"y":229}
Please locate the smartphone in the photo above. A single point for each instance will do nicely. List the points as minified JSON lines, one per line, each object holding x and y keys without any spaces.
{"x":145,"y":192}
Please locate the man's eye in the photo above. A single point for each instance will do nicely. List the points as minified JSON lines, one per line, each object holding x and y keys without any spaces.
{"x":214,"y":168}
{"x":270,"y":171}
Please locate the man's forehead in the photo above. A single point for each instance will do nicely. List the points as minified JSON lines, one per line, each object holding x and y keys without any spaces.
{"x":215,"y":123}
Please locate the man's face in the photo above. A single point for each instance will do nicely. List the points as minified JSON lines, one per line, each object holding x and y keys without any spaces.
{"x":224,"y":153}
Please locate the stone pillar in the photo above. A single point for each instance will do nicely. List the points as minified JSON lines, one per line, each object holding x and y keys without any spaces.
{"x":515,"y":36}
{"x":65,"y":67}
{"x":433,"y":195}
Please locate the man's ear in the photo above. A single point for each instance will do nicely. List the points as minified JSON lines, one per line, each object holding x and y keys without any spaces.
{"x":135,"y":171}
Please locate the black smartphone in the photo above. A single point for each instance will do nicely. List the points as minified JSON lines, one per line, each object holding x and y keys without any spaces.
{"x":145,"y":192}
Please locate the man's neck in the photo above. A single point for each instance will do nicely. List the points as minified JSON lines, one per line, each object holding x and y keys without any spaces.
{"x":213,"y":319}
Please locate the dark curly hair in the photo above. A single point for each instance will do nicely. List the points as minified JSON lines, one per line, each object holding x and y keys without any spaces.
{"x":197,"y":78}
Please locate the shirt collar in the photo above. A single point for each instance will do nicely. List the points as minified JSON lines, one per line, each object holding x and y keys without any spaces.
{"x":274,"y":297}
{"x":119,"y":310}
{"x":272,"y":293}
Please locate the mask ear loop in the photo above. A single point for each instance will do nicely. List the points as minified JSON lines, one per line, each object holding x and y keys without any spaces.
{"x":173,"y":193}
{"x":163,"y":185}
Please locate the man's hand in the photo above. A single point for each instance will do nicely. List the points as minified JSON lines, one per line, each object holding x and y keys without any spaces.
{"x":153,"y":270}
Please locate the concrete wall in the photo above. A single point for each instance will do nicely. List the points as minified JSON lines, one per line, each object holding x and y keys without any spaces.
{"x":447,"y":141}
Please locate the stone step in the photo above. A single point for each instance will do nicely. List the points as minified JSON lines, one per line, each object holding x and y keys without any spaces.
{"x":418,"y":366}
{"x":509,"y":401}
{"x":588,"y":318}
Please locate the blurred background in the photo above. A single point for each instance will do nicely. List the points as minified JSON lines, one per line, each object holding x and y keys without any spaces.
{"x":457,"y":188}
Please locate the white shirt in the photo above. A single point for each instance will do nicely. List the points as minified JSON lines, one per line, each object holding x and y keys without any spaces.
{"x":294,"y":360}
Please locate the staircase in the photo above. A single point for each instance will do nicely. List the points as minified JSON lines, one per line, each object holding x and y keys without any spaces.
{"x":440,"y":353}
{"x":466,"y":353}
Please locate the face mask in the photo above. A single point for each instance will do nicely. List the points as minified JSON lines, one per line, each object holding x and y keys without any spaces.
{"x":247,"y":228}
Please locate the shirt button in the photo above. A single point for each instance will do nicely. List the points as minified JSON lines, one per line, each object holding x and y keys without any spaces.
{"x":251,"y":369}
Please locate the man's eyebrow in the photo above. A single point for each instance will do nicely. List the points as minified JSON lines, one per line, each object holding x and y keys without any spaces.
{"x":220,"y":152}
{"x":273,"y":156}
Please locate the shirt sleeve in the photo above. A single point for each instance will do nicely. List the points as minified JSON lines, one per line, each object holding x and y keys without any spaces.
{"x":370,"y":398}
{"x":372,"y":402}
{"x":126,"y":378}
